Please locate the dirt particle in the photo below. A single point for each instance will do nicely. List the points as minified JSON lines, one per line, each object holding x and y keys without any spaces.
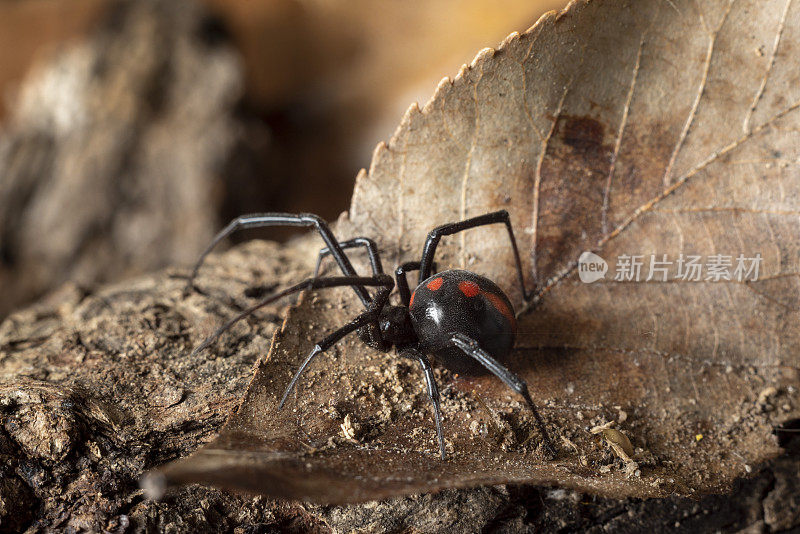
{"x":351,"y":429}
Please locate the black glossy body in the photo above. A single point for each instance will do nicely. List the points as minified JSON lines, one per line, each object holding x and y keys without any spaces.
{"x":457,"y":301}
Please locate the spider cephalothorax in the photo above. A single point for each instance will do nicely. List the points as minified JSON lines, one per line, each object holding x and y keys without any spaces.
{"x":461,"y":318}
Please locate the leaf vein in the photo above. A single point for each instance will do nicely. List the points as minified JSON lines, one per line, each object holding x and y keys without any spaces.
{"x":712,"y":40}
{"x":778,"y":34}
{"x":537,"y":183}
{"x":468,"y":165}
{"x":620,"y":132}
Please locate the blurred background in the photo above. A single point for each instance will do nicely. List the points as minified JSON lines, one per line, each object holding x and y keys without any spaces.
{"x":130,"y":131}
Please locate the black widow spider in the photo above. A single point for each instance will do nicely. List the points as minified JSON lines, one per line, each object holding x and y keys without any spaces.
{"x":450,"y":314}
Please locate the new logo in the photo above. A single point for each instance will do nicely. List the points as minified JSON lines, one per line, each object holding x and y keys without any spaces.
{"x":591,"y":267}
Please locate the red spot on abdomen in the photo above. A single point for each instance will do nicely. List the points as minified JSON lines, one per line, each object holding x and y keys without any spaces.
{"x":469,"y":289}
{"x":411,"y":302}
{"x":435,"y":284}
{"x":500,"y":305}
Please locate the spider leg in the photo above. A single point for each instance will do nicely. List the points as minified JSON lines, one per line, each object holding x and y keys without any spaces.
{"x":369,"y":244}
{"x":433,"y":392}
{"x":366,"y":318}
{"x":471,"y":348}
{"x":452,"y":228}
{"x":285,"y":219}
{"x":402,"y":281}
{"x":312,"y":283}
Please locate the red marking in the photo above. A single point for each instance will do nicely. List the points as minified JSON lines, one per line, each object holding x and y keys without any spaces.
{"x":435,"y":284}
{"x":470,"y":289}
{"x":500,"y":304}
{"x":411,"y":302}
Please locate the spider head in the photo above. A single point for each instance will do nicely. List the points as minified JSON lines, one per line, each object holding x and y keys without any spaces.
{"x":395,"y":329}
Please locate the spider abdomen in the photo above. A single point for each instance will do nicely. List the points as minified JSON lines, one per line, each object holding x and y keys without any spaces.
{"x":457,"y":301}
